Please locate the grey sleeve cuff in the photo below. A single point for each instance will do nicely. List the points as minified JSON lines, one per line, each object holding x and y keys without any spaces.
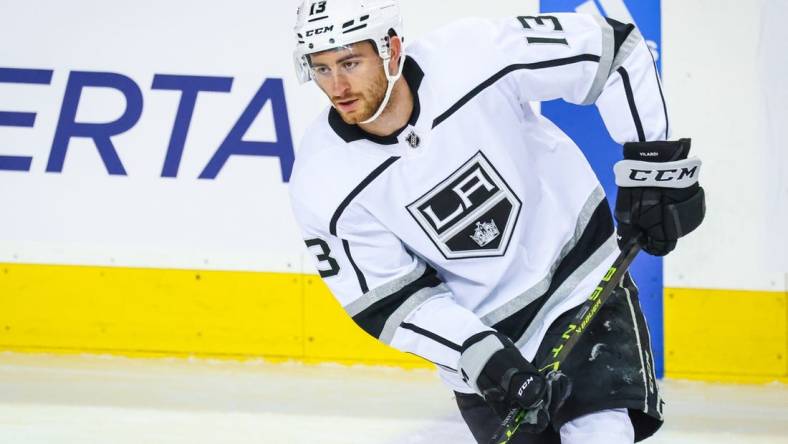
{"x":610,"y":59}
{"x":475,"y":358}
{"x":605,"y":61}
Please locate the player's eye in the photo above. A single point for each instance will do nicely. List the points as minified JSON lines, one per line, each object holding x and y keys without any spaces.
{"x":350,"y":65}
{"x":321,"y":70}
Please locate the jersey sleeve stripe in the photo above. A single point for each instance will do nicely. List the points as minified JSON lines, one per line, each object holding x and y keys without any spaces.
{"x":362,"y":281}
{"x":358,"y":189}
{"x":593,"y":247}
{"x":385,"y":290}
{"x":662,"y":96}
{"x":618,"y":42}
{"x":567,"y":286}
{"x":438,"y":364}
{"x":626,"y":48}
{"x":632,"y":106}
{"x":398,"y":316}
{"x":431,"y":335}
{"x":372,"y":314}
{"x":621,"y":31}
{"x":511,"y":68}
{"x":584,"y":219}
{"x":608,"y":52}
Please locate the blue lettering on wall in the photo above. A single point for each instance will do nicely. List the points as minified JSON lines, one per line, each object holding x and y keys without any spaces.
{"x":101,"y":133}
{"x":189,"y":86}
{"x":20,"y":119}
{"x":272,"y":91}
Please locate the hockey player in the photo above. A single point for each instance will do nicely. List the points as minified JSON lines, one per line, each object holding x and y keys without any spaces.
{"x":453,"y":222}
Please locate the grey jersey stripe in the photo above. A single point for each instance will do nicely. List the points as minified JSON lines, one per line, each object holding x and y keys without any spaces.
{"x":533,"y":293}
{"x":626,"y":49}
{"x":568,"y":286}
{"x":384,"y":290}
{"x":407,"y":307}
{"x":605,"y":62}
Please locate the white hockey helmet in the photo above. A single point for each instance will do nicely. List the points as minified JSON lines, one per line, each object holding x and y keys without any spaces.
{"x":328,"y":24}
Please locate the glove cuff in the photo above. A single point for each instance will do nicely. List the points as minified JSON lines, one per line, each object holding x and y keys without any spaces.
{"x":658,"y":151}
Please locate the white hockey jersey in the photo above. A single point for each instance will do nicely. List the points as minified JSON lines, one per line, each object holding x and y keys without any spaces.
{"x":479,"y":214}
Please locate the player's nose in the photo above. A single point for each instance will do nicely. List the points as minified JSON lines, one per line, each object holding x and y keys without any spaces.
{"x":339,"y":85}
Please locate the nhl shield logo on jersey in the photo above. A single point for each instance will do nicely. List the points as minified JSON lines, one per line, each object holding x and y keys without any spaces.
{"x":413,"y":139}
{"x":471,"y":213}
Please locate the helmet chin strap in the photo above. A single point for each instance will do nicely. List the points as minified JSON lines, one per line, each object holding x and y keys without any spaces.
{"x":392,"y":79}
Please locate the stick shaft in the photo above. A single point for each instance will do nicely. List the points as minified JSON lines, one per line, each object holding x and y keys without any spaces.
{"x":569,"y":338}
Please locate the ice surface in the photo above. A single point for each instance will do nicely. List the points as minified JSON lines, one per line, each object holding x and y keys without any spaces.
{"x":94,"y":399}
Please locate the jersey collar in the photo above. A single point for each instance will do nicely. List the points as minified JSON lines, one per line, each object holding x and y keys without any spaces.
{"x":413,"y":75}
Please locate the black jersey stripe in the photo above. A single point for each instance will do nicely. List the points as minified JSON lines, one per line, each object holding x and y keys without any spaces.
{"x":373,"y":318}
{"x":362,"y":281}
{"x":431,"y":335}
{"x":632,"y":106}
{"x":597,"y":232}
{"x":445,"y":367}
{"x":511,"y":68}
{"x":359,"y":188}
{"x":662,"y":96}
{"x":620,"y":33}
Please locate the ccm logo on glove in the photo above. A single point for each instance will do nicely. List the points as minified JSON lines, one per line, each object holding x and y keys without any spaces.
{"x":525,"y":386}
{"x":638,"y":173}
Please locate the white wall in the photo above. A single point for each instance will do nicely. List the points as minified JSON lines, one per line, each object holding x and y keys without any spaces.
{"x":725,"y":67}
{"x":85,"y":216}
{"x":239,"y":221}
{"x":722,"y":68}
{"x":773,"y":76}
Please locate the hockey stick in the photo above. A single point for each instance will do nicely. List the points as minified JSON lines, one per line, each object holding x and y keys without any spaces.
{"x":581,"y":321}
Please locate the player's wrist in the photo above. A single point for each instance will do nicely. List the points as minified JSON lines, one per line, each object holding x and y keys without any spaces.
{"x":494,"y":367}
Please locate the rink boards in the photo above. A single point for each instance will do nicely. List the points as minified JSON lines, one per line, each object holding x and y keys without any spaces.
{"x":147,"y":312}
{"x":176,"y":238}
{"x":737,"y":336}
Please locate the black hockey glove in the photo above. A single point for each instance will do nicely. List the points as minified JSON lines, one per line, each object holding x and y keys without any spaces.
{"x":494,"y":367}
{"x":659,"y":198}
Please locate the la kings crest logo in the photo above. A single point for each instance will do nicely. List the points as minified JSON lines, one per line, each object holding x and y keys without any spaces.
{"x":471,"y":213}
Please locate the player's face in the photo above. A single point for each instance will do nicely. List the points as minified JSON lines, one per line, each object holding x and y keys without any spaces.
{"x":353,"y":78}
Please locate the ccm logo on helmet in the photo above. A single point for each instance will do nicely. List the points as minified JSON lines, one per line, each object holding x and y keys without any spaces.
{"x":662,"y":175}
{"x":317,"y":31}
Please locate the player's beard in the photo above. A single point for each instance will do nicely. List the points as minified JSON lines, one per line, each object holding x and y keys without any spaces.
{"x":369,"y":100}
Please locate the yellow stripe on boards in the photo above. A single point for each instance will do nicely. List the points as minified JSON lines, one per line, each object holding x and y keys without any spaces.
{"x":150,"y":312}
{"x":726,"y":335}
{"x":718,"y":335}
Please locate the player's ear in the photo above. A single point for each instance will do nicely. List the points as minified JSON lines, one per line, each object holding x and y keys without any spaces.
{"x":396,"y":50}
